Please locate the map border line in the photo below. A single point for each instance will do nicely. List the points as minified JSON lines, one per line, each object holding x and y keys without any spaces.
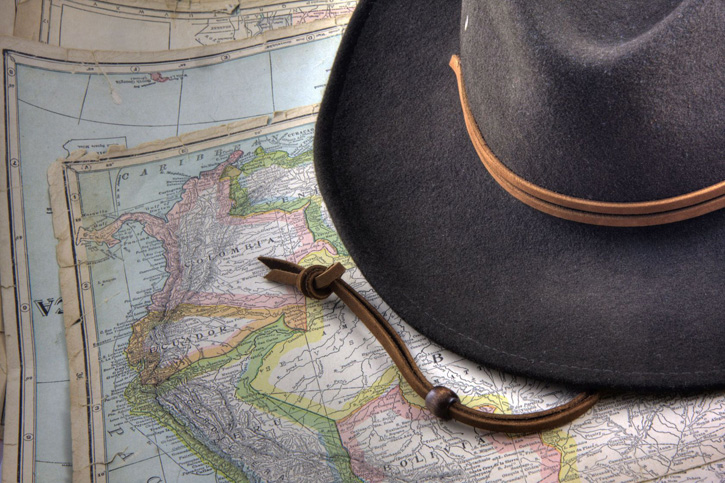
{"x":65,"y":199}
{"x":34,"y":18}
{"x":19,"y":364}
{"x":15,"y":309}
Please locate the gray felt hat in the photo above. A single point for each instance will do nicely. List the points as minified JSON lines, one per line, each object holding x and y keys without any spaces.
{"x":556,"y":213}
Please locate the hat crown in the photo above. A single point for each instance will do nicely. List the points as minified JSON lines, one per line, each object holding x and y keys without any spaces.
{"x":599,"y":23}
{"x":607,"y":100}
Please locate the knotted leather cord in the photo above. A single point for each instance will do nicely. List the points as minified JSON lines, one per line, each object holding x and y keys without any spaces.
{"x":646,"y":213}
{"x":318,"y":282}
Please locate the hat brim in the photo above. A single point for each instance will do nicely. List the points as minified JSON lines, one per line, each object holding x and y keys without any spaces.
{"x":476,"y":270}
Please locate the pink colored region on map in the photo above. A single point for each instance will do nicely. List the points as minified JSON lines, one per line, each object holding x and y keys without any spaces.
{"x":550,"y":458}
{"x":157,"y":77}
{"x":393,"y":400}
{"x":209,"y":185}
{"x":390,"y":401}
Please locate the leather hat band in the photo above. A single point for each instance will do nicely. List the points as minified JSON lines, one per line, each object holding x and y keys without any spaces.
{"x":647,"y":213}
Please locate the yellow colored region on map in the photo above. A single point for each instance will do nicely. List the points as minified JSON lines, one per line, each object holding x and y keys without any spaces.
{"x":153,"y":372}
{"x":566,"y":446}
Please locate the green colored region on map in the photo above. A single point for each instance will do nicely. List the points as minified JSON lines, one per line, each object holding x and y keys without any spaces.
{"x":263,"y":159}
{"x":320,"y":230}
{"x":566,"y":446}
{"x":231,"y":172}
{"x":324,"y":426}
{"x":256,"y":347}
{"x":242,"y":206}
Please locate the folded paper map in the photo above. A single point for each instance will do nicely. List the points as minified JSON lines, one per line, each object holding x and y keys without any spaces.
{"x":153,"y":150}
{"x":59,"y":101}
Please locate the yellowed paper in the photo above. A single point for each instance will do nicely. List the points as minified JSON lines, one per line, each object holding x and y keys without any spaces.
{"x":28,"y":19}
{"x":65,"y":100}
{"x":3,"y":377}
{"x":7,"y":17}
{"x":33,"y":17}
{"x":137,"y":26}
{"x":7,"y":21}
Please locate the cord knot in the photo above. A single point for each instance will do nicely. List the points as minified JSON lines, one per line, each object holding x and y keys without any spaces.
{"x":314,"y":281}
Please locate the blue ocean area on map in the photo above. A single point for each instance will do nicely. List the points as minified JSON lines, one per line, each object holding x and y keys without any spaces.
{"x":121,"y":103}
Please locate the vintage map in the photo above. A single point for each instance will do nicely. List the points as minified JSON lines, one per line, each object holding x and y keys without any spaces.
{"x":7,"y":17}
{"x":200,"y":369}
{"x":59,"y":101}
{"x":136,"y":26}
{"x":187,"y":365}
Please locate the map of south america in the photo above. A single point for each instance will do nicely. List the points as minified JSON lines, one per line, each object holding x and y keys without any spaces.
{"x":216,"y":345}
{"x":213,"y":318}
{"x":211,"y":373}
